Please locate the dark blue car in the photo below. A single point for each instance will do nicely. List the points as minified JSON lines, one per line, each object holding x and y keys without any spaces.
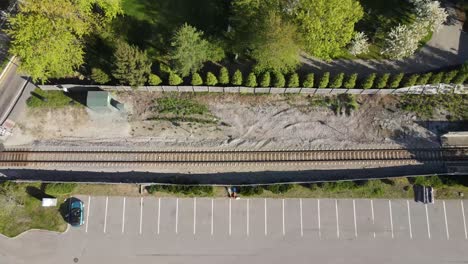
{"x":76,"y":213}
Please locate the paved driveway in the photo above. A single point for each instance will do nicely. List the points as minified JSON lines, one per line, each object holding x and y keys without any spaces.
{"x":205,"y":230}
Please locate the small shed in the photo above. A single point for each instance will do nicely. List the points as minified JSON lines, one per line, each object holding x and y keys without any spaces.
{"x":49,"y":202}
{"x":98,"y":100}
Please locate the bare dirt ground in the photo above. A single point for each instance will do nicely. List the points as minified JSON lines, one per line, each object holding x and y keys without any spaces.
{"x":242,"y":122}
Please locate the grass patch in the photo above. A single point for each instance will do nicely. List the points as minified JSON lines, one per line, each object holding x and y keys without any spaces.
{"x":183,"y":108}
{"x":340,"y":104}
{"x":425,"y":106}
{"x":49,"y":99}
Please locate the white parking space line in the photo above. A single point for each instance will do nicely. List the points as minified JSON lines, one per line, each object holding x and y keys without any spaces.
{"x":194,"y":216}
{"x":446,"y":223}
{"x":302,"y":225}
{"x":266,"y":226}
{"x":337,"y":220}
{"x":105,"y":214}
{"x":177,"y":216}
{"x":212,"y":214}
{"x":427,"y":220}
{"x":391,"y":216}
{"x":282,"y":207}
{"x":141,"y":214}
{"x":248,"y":216}
{"x":123,"y":216}
{"x":409,"y":220}
{"x":159,"y":213}
{"x":87,"y":214}
{"x":464,"y":220}
{"x":318,"y":216}
{"x":373,"y":216}
{"x":355,"y":222}
{"x":230,"y":221}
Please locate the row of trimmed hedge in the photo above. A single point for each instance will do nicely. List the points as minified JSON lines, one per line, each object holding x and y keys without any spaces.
{"x":341,"y":80}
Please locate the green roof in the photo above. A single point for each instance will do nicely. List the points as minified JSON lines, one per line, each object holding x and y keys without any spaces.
{"x":97,"y":99}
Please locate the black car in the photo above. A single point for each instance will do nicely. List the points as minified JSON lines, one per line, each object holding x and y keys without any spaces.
{"x":76,"y":213}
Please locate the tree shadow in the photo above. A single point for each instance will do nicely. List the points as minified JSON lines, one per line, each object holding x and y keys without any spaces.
{"x":37,"y":193}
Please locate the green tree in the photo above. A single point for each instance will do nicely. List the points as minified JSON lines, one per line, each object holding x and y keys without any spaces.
{"x":48,"y":34}
{"x":309,"y":81}
{"x":211,"y":79}
{"x":350,"y":83}
{"x":411,"y":80}
{"x":293,"y":81}
{"x":190,"y":50}
{"x":99,"y":76}
{"x":237,"y":78}
{"x":131,"y":66}
{"x":196,"y":79}
{"x":337,"y":81}
{"x":382,"y":81}
{"x":324,"y":80}
{"x":251,"y":80}
{"x":424,"y":79}
{"x":174,"y":79}
{"x":368,"y":81}
{"x":396,"y":80}
{"x":265,"y":80}
{"x":326,"y":27}
{"x":436,"y":78}
{"x":278,"y":80}
{"x":223,"y":76}
{"x":154,"y":79}
{"x":448,"y":76}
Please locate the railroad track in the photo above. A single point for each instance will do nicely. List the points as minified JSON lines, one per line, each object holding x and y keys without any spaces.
{"x":26,"y":158}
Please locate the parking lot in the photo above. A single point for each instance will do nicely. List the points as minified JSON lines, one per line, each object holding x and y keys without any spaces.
{"x":344,"y":219}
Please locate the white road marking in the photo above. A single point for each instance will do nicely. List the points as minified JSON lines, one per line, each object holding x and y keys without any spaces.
{"x":373,"y":216}
{"x":282,"y":207}
{"x":141,"y":214}
{"x":391,"y":215}
{"x":87,"y":214}
{"x":464,"y":220}
{"x":212,"y":213}
{"x":248,"y":220}
{"x":159,"y":213}
{"x":266,"y":227}
{"x":194,"y":215}
{"x":105,"y":214}
{"x":446,"y":223}
{"x":177,"y":216}
{"x":355,"y":222}
{"x":409,"y":220}
{"x":318,"y":215}
{"x":427,"y":221}
{"x":123,"y":216}
{"x":302,"y":227}
{"x":230,"y":222}
{"x":337,"y":219}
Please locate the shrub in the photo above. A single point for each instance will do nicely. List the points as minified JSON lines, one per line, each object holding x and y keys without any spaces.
{"x":59,"y":188}
{"x":351,"y":81}
{"x":251,"y":80}
{"x":460,"y":78}
{"x":424,"y":79}
{"x":382,"y":81}
{"x":250,"y":190}
{"x":223,"y":77}
{"x":337,"y":81}
{"x":433,"y":181}
{"x":174,"y":79}
{"x":99,"y":76}
{"x":266,"y":79}
{"x":278,"y":80}
{"x":309,"y":81}
{"x":368,"y":81}
{"x":211,"y":79}
{"x":396,"y":80}
{"x":436,"y":78}
{"x":196,"y":79}
{"x":448,"y":76}
{"x":293,"y":81}
{"x":184,"y":189}
{"x":411,"y":80}
{"x":324,"y":80}
{"x":154,"y":79}
{"x":278,"y":188}
{"x":237,"y":78}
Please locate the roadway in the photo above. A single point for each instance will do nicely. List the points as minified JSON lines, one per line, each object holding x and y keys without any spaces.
{"x":206,"y":230}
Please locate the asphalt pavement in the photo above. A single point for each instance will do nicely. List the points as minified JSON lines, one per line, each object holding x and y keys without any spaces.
{"x":205,"y":230}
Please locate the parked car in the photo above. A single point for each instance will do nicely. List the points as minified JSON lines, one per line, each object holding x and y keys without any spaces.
{"x":429,"y":194}
{"x":76,"y":213}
